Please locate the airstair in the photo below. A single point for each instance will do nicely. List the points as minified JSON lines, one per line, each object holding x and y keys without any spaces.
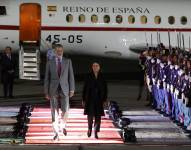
{"x":29,"y":62}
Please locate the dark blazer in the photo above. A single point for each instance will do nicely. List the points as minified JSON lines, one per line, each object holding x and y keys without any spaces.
{"x":7,"y":65}
{"x":94,"y":94}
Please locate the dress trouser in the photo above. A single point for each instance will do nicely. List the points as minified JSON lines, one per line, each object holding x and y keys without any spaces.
{"x":173,"y":111}
{"x":8,"y":86}
{"x":97,"y":122}
{"x":161,"y":99}
{"x":166,"y":102}
{"x":187,"y":117}
{"x":176,"y":108}
{"x":180,"y":110}
{"x":59,"y":98}
{"x":155,"y":96}
{"x":189,"y":120}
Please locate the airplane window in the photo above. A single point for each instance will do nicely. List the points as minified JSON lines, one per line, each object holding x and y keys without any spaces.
{"x":94,"y":18}
{"x":184,"y":20}
{"x":119,"y":19}
{"x":3,"y":10}
{"x":82,"y":18}
{"x":171,"y":20}
{"x":157,"y":19}
{"x":106,"y":19}
{"x":131,"y":19}
{"x":69,"y":18}
{"x":143,"y":19}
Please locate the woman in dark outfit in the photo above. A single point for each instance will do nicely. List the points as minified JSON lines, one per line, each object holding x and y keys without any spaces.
{"x":94,"y":98}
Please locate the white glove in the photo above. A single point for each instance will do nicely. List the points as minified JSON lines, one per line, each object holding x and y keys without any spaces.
{"x":176,"y":92}
{"x":158,"y":83}
{"x":168,"y":87}
{"x":183,"y":96}
{"x":147,"y":80}
{"x":164,"y":85}
{"x":153,"y":81}
{"x":171,"y":88}
{"x":186,"y":100}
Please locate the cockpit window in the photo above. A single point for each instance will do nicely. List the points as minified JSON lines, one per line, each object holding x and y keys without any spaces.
{"x":3,"y":10}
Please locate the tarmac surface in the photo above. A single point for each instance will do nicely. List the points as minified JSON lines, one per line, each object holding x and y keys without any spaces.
{"x":124,"y":92}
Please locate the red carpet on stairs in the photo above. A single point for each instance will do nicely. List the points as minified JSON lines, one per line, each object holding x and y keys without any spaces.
{"x":40,"y":129}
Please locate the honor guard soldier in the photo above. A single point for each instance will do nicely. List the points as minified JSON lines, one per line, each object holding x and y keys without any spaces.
{"x":149,"y":75}
{"x":142,"y":60}
{"x":174,"y":89}
{"x":168,"y":100}
{"x":187,"y":94}
{"x":172,"y":79}
{"x":185,"y":90}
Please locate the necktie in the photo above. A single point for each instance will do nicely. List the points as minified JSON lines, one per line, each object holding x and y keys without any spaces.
{"x":59,"y":67}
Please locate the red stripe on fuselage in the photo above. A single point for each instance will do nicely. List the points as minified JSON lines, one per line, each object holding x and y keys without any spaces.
{"x":8,"y":27}
{"x":48,"y":28}
{"x":55,"y":28}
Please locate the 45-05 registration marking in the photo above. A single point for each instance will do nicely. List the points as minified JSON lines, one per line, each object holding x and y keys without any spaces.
{"x":70,"y":39}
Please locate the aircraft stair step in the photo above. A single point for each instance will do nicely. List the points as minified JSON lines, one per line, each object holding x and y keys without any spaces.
{"x":29,"y":63}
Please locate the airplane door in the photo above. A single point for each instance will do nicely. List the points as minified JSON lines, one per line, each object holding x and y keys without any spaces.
{"x":30,"y":23}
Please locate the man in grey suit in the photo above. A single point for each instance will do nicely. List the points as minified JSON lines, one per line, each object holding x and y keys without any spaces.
{"x":59,"y":84}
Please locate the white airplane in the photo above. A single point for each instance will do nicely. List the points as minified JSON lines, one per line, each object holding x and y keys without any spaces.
{"x":110,"y":28}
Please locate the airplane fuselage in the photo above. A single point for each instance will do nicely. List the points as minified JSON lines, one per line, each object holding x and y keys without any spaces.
{"x":100,"y":27}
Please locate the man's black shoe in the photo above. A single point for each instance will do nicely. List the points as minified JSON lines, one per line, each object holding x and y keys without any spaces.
{"x":11,"y":96}
{"x":138,"y":98}
{"x":179,"y":124}
{"x":148,"y":104}
{"x":166,"y":115}
{"x":55,"y":138}
{"x":64,"y":131}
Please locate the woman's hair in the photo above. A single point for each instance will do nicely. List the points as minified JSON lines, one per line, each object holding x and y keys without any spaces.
{"x":95,"y":62}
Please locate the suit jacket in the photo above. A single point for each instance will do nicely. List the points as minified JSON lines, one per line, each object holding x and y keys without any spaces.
{"x":7,"y":66}
{"x":52,"y":80}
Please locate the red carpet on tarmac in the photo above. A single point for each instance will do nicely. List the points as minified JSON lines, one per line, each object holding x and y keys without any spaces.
{"x":40,"y":129}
